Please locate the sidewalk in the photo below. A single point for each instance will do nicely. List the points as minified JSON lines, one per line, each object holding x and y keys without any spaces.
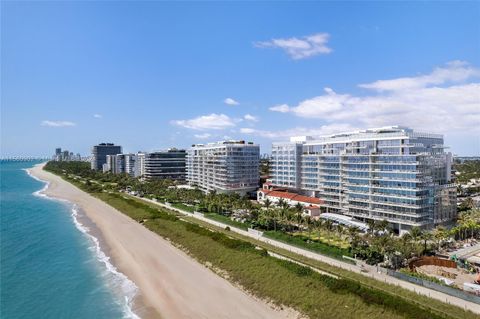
{"x":337,"y":263}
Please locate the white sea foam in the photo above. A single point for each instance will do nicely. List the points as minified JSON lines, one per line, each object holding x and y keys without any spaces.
{"x":128,"y":287}
{"x":41,"y":192}
{"x":120,"y":280}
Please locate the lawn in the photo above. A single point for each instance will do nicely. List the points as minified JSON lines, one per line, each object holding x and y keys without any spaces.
{"x":328,"y":239}
{"x":184,"y":207}
{"x":226,"y":220}
{"x":306,"y":243}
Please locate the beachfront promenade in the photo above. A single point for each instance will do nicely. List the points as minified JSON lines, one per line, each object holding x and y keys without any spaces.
{"x":334,"y":262}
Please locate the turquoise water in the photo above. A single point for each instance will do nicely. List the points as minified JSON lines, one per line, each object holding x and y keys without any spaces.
{"x":50,"y":266}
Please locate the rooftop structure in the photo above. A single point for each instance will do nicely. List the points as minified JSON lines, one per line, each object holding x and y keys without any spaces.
{"x":291,"y":198}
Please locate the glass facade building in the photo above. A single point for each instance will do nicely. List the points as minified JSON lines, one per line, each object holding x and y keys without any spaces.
{"x":391,"y":173}
{"x":100,"y":152}
{"x":230,"y":166}
{"x":165,"y":164}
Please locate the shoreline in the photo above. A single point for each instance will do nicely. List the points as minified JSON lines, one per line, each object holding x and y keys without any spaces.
{"x":134,"y":305}
{"x":170,"y":283}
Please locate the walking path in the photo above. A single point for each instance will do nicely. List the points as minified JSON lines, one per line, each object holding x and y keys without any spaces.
{"x":337,"y":263}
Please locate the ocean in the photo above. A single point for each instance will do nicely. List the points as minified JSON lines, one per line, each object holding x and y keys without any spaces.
{"x":51,"y":266}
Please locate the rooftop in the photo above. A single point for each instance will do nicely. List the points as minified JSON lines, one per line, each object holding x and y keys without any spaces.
{"x":293,"y":196}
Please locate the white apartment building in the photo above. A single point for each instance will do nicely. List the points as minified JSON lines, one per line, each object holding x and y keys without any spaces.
{"x":115,"y":164}
{"x":139,"y":166}
{"x":130,"y":160}
{"x":392,"y":173}
{"x":224,"y":167}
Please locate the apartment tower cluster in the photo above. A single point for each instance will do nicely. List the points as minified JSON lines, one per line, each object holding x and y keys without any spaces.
{"x":65,"y":156}
{"x":392,"y":173}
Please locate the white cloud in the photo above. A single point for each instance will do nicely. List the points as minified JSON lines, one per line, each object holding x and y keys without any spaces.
{"x":57,"y":123}
{"x":282,"y":108}
{"x":418,"y":102}
{"x":250,"y":117}
{"x":300,"y":131}
{"x":207,"y":122}
{"x":97,"y":116}
{"x":455,"y":71}
{"x":202,"y":136}
{"x":247,"y":130}
{"x":300,"y":48}
{"x":230,"y":101}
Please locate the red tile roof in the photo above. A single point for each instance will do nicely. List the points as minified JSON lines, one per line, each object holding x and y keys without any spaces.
{"x":295,"y":197}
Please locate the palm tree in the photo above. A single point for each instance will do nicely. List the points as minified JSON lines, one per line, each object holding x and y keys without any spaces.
{"x":353,"y":235}
{"x":462,"y":222}
{"x":371,"y":226}
{"x":267,"y":203}
{"x":426,"y":236}
{"x":439,"y":234}
{"x":405,"y":245}
{"x":299,"y":210}
{"x":415,"y":234}
{"x":383,"y":225}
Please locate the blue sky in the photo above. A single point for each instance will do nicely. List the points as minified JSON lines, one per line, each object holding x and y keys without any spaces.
{"x":152,"y":75}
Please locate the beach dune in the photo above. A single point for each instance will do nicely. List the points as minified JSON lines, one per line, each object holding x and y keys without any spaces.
{"x":171,"y":283}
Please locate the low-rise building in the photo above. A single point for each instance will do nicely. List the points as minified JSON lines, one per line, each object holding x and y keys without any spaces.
{"x":292,"y":199}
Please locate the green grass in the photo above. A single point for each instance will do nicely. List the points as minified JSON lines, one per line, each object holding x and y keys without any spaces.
{"x":226,"y":220}
{"x":304,"y":242}
{"x":184,"y":207}
{"x":329,"y":239}
{"x":283,"y":282}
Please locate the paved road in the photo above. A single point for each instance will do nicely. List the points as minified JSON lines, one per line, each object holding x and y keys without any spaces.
{"x":337,"y":263}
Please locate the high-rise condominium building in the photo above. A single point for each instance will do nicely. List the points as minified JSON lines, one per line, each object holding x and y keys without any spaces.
{"x":58,"y":154}
{"x":130,"y":160}
{"x":392,"y":173}
{"x":100,"y":152}
{"x":139,"y":167}
{"x":229,"y":166}
{"x":165,"y":164}
{"x":115,"y":164}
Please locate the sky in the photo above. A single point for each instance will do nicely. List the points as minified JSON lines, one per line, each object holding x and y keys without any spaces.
{"x":154,"y":75}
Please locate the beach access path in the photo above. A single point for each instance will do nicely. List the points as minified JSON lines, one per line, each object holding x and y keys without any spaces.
{"x":335,"y":262}
{"x":171,"y":283}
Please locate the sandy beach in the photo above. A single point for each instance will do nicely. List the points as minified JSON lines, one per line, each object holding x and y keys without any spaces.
{"x":171,"y":284}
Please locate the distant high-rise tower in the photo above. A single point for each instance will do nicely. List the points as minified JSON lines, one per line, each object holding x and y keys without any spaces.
{"x":100,"y":152}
